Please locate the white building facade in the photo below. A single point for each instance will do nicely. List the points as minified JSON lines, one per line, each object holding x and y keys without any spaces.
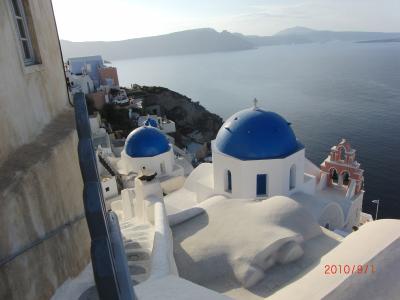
{"x":257,"y":178}
{"x":80,"y":83}
{"x":256,"y":155}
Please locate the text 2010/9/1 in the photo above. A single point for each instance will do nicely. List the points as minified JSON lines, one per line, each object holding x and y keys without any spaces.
{"x":347,"y":269}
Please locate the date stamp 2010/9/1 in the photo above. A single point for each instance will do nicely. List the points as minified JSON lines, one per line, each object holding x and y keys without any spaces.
{"x":337,"y":269}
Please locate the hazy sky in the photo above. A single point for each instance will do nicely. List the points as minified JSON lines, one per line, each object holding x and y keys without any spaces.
{"x":85,"y":20}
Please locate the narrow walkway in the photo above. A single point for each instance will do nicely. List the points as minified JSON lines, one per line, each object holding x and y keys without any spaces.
{"x":138,"y":241}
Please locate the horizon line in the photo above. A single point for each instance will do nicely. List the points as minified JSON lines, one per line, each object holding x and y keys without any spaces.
{"x":210,"y":28}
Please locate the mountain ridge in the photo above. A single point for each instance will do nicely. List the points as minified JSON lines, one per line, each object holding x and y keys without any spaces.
{"x":208,"y":40}
{"x":193,"y":41}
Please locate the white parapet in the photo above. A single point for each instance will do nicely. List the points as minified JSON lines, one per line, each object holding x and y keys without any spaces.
{"x":127,"y":196}
{"x":163,"y":262}
{"x":172,"y":184}
{"x":146,"y":193}
{"x":310,"y":184}
{"x":149,"y":199}
{"x":351,"y":190}
{"x":322,"y":181}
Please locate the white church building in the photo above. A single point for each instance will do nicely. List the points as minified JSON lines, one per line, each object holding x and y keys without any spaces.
{"x":256,"y":156}
{"x":147,"y":150}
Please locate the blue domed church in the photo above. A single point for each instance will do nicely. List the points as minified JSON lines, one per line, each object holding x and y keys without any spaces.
{"x":147,"y":149}
{"x":256,"y":154}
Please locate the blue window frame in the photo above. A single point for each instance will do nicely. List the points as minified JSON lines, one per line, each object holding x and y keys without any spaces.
{"x":228,"y":186}
{"x":262,"y":184}
{"x":292,"y":177}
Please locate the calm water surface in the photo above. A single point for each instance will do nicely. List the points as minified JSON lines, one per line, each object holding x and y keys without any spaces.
{"x":327,"y":91}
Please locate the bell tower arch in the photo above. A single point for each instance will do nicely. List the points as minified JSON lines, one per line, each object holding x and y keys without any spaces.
{"x":342,"y":159}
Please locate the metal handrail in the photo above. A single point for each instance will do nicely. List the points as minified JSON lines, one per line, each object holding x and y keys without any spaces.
{"x":109,"y":262}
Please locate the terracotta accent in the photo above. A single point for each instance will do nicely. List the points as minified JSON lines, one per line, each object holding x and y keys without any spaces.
{"x":108,"y":72}
{"x":342,"y":159}
{"x":98,"y":98}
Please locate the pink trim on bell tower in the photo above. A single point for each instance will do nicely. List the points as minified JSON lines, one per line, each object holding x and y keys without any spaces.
{"x":342,"y":167}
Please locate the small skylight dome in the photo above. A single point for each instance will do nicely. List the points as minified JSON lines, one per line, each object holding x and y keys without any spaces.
{"x":151,"y":122}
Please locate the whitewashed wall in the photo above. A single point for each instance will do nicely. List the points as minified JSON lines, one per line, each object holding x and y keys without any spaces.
{"x":244,"y":174}
{"x":109,"y":186}
{"x":151,"y":163}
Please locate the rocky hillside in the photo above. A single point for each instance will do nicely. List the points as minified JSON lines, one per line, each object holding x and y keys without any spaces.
{"x":193,"y":121}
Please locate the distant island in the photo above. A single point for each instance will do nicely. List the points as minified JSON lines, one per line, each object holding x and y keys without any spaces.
{"x":208,"y":40}
{"x":382,"y":41}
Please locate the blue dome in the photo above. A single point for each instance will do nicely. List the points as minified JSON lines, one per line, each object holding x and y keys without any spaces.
{"x":151,"y":122}
{"x":146,"y":141}
{"x":254,"y":134}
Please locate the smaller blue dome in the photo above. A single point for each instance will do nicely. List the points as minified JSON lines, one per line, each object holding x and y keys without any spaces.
{"x":151,"y":122}
{"x":146,"y":141}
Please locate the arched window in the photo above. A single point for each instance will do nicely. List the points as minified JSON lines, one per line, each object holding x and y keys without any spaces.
{"x":334,"y":175}
{"x":292,"y":177}
{"x":228,"y":181}
{"x":345,"y":178}
{"x":342,"y":153}
{"x":162,"y":168}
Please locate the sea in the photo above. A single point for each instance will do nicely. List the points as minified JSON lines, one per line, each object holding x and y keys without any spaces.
{"x":328,"y":91}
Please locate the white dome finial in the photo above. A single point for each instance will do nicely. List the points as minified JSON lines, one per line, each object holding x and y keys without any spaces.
{"x":255,"y":103}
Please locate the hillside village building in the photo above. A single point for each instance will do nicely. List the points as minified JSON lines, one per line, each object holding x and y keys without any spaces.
{"x":89,"y":65}
{"x":109,"y":76}
{"x":79,"y":83}
{"x":165,"y":125}
{"x":99,"y":82}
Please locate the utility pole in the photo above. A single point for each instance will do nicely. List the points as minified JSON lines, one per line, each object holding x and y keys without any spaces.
{"x":377,"y":208}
